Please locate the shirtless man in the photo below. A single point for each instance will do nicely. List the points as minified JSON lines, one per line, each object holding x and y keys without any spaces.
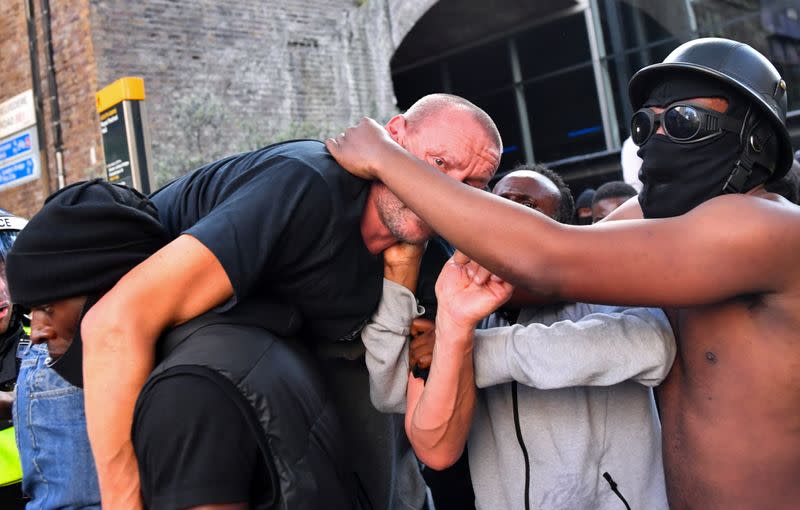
{"x":716,"y":250}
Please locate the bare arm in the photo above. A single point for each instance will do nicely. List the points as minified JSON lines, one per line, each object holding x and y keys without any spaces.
{"x":729,"y":246}
{"x":177,"y":283}
{"x":439,"y":412}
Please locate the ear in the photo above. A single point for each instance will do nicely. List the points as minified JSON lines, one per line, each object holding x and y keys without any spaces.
{"x":397,"y":128}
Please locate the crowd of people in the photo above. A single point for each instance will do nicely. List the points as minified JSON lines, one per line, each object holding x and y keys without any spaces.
{"x":347,"y":325}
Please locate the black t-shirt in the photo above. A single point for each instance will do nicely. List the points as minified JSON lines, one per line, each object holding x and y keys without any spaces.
{"x":284,"y":222}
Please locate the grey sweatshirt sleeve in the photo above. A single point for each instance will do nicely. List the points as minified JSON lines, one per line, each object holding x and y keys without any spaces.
{"x":598,"y":349}
{"x":385,"y":338}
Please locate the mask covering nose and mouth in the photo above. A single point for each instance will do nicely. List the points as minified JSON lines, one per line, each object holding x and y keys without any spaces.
{"x":677,"y":177}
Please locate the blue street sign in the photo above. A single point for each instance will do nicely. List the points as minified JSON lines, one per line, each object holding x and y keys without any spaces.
{"x":19,"y":158}
{"x":15,"y":146}
{"x":16,"y":171}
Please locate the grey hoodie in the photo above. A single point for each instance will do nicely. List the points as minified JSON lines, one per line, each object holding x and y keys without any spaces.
{"x":584,"y":400}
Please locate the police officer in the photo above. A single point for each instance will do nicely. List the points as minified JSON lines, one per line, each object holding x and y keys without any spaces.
{"x":13,"y":331}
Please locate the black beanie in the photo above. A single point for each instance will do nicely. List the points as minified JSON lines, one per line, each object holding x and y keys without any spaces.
{"x":83,"y":240}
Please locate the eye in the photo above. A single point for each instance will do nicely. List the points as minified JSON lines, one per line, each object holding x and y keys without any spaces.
{"x":439,"y":162}
{"x":528,"y":203}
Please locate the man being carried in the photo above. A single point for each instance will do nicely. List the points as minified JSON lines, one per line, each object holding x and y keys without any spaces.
{"x":716,"y":249}
{"x":284,"y":224}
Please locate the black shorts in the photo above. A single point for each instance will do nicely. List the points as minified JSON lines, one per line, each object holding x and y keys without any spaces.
{"x":195,"y":447}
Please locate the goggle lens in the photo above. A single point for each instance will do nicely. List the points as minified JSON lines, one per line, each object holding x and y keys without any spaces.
{"x":640,"y":127}
{"x":681,"y":122}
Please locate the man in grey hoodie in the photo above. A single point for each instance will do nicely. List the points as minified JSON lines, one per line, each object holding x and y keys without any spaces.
{"x":565,"y":416}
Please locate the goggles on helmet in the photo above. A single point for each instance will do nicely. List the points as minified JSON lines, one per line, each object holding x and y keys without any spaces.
{"x":682,"y":123}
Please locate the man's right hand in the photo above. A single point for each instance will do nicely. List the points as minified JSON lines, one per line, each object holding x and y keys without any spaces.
{"x":466,"y":293}
{"x":401,"y":264}
{"x":361,"y":148}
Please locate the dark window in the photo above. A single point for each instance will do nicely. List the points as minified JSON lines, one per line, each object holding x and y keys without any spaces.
{"x":633,"y":39}
{"x":553,"y":46}
{"x":565,"y":115}
{"x":502,"y":109}
{"x":480,"y":70}
{"x":417,"y":82}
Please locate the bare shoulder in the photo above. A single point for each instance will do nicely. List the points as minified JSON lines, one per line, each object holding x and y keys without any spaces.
{"x":762,"y":228}
{"x":767,"y":211}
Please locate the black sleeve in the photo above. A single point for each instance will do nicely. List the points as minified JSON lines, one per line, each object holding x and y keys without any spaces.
{"x":194,"y":447}
{"x":276,"y":207}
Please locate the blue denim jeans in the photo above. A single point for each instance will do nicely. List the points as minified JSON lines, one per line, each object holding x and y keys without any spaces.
{"x":50,"y":422}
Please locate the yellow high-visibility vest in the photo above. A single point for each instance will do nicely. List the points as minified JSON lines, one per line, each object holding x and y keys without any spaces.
{"x":10,"y":466}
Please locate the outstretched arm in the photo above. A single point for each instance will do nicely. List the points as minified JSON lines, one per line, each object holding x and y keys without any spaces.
{"x":726,"y":247}
{"x":177,"y":283}
{"x":439,"y":412}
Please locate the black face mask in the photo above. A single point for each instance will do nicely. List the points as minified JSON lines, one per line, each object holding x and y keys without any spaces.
{"x":677,"y":177}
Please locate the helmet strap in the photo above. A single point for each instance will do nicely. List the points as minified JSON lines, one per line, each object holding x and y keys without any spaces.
{"x":755,"y":135}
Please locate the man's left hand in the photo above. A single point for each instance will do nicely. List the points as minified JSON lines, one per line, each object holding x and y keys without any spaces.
{"x":423,"y":337}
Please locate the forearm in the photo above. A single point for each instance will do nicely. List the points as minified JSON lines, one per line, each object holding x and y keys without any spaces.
{"x":438,"y":420}
{"x":116,"y":366}
{"x":385,"y":339}
{"x":600,"y":349}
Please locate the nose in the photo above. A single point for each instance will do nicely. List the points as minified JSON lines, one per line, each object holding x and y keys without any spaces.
{"x":657,"y":110}
{"x":41,"y":332}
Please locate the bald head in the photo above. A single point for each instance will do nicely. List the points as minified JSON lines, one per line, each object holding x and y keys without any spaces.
{"x":433,"y":104}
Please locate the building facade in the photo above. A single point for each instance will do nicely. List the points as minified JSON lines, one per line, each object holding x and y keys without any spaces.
{"x":222,"y":78}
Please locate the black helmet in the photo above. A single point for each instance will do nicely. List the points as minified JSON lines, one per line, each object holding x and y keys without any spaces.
{"x":737,"y":65}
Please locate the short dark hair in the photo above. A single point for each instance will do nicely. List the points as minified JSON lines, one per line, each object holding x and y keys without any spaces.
{"x":614,"y":189}
{"x":566,"y":206}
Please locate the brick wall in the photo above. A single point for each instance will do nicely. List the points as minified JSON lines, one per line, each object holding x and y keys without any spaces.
{"x":223,"y":77}
{"x":16,"y":69}
{"x":76,"y":79}
{"x":219,"y":77}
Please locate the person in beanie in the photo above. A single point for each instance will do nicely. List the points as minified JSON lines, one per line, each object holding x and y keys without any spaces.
{"x":85,"y":237}
{"x":195,"y":421}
